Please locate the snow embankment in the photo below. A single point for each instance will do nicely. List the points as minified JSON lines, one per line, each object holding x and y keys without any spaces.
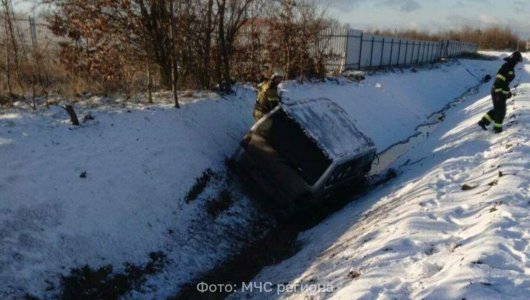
{"x":455,"y":225}
{"x":389,"y":106}
{"x":114,"y":190}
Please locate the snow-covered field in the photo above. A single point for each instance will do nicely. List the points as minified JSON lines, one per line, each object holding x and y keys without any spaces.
{"x":139,"y":162}
{"x":454,"y":225}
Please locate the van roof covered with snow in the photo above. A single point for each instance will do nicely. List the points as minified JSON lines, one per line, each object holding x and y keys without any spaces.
{"x":329,"y":126}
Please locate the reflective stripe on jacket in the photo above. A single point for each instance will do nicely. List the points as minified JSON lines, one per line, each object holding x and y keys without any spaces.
{"x":504,"y":76}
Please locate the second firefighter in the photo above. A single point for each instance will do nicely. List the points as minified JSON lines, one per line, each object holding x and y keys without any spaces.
{"x":500,"y":92}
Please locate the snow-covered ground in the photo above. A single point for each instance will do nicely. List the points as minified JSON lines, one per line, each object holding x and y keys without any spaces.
{"x":139,"y":162}
{"x":454,"y":225}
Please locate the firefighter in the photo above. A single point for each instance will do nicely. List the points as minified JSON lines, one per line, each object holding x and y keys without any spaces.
{"x":268,"y":97}
{"x":500,"y":92}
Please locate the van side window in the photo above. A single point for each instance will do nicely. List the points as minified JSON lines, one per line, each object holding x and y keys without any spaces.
{"x":294,"y":146}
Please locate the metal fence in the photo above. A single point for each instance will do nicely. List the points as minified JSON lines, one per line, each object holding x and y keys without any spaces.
{"x":348,"y":49}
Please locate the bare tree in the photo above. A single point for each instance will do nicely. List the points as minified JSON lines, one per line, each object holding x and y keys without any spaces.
{"x":174,"y":62}
{"x":295,"y":34}
{"x":7,"y":56}
{"x":208,"y":44}
{"x":187,"y":42}
{"x":232,"y":16}
{"x":11,"y":42}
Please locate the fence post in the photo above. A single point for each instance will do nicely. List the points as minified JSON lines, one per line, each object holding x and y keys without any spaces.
{"x":412,"y":53}
{"x":434,"y":48}
{"x":418,"y":54}
{"x":372,"y":51}
{"x":427,"y":52}
{"x":418,"y":59}
{"x":382,"y":52}
{"x":409,"y":62}
{"x":406,"y":52}
{"x":431,"y":57}
{"x":399,"y":51}
{"x":423,"y":53}
{"x":360,"y":50}
{"x":420,"y":47}
{"x":346,"y":51}
{"x":391,"y":52}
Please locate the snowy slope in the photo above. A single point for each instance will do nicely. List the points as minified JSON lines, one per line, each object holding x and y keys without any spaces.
{"x":387,"y":107}
{"x":140,"y":161}
{"x":454,"y":225}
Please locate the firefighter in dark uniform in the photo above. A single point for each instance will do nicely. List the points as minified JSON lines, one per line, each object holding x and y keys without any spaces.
{"x":268,"y":97}
{"x":500,"y":92}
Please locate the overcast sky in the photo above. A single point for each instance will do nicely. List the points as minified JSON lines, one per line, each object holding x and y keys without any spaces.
{"x":433,"y":15}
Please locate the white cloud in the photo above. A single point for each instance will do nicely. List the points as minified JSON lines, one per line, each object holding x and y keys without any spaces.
{"x":488,"y":20}
{"x":401,"y":5}
{"x":345,"y":5}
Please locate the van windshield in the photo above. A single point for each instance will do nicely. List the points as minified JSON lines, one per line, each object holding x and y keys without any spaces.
{"x":294,"y":146}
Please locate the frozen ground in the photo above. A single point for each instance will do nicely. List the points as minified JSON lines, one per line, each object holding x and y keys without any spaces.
{"x":454,"y":225}
{"x":139,"y":162}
